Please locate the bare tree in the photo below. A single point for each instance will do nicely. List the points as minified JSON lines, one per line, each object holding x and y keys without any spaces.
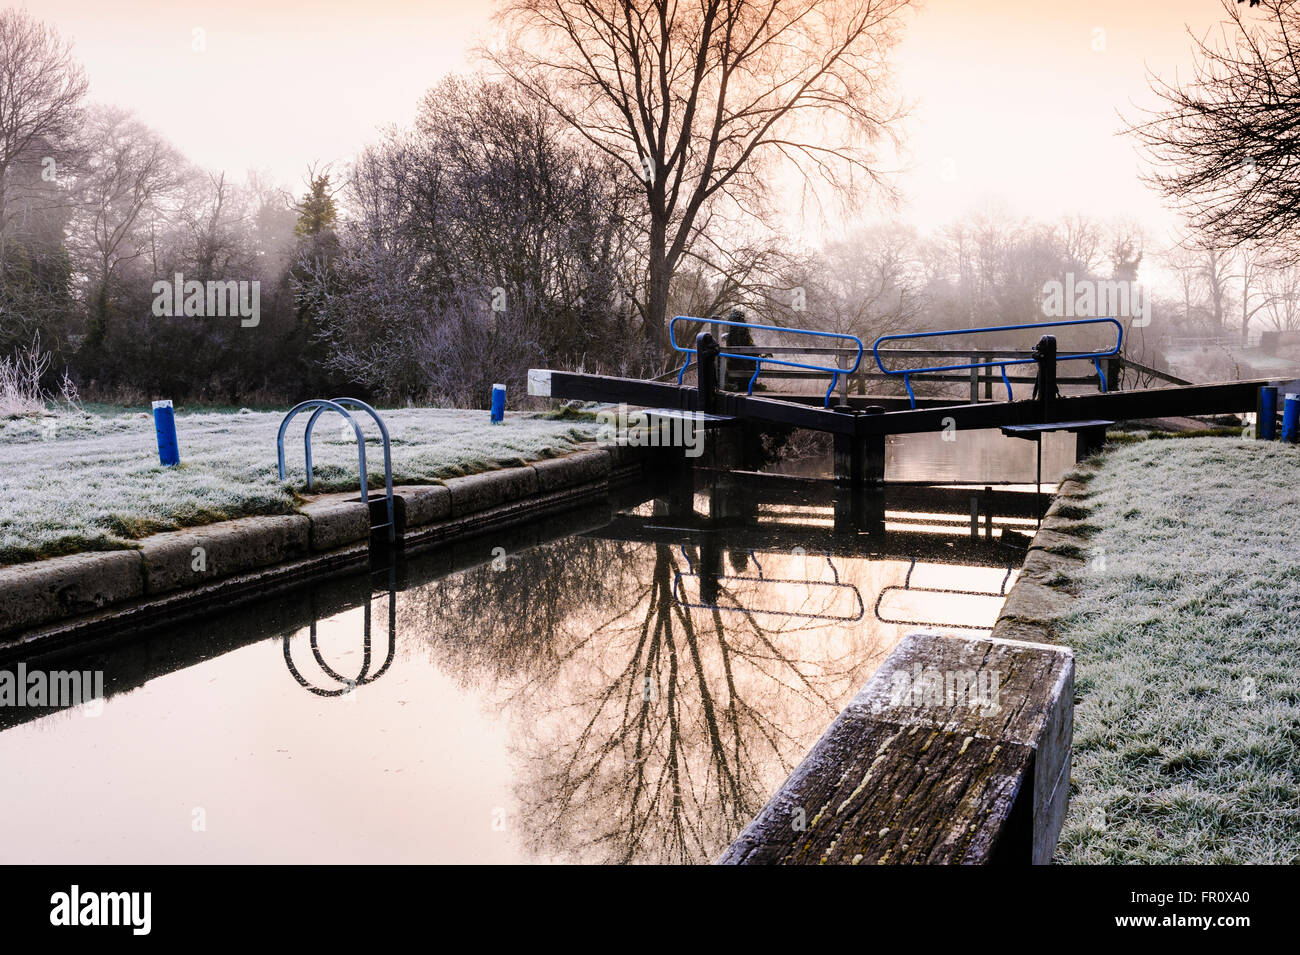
{"x":701,"y":101}
{"x":1216,"y":264}
{"x":481,"y":241}
{"x":1281,"y":305}
{"x":1125,"y":246}
{"x":130,"y":172}
{"x":1225,"y":147}
{"x":1186,"y":268}
{"x":215,"y":220}
{"x":1081,"y":240}
{"x":41,"y":89}
{"x":867,"y":284}
{"x":1251,"y":272}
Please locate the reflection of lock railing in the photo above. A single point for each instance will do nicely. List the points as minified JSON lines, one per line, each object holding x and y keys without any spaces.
{"x":365,"y":676}
{"x":681,"y":601}
{"x":906,"y":587}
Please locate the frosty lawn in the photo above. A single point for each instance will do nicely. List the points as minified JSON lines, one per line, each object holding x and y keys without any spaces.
{"x":1187,"y":643}
{"x":75,"y":481}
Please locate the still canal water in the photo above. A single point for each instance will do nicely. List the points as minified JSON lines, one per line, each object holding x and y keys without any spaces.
{"x":620,"y":685}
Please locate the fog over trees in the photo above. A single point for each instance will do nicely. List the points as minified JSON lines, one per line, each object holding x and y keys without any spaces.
{"x":612,"y":164}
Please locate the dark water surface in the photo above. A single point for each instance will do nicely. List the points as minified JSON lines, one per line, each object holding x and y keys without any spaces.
{"x":618,"y":685}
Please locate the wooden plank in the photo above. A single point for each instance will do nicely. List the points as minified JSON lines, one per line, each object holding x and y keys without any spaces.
{"x":1224,"y":398}
{"x":791,"y":414}
{"x":956,"y":751}
{"x":888,"y":402}
{"x":575,"y":386}
{"x":1148,"y":370}
{"x":704,"y":422}
{"x":967,"y":417}
{"x":1032,"y":429}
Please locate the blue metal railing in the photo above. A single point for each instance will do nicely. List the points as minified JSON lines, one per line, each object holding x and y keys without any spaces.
{"x":760,"y":360}
{"x":1001,"y":363}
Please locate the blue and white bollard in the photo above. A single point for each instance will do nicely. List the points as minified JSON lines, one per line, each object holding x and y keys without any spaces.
{"x":164,"y":422}
{"x":498,"y":403}
{"x":1291,"y":419}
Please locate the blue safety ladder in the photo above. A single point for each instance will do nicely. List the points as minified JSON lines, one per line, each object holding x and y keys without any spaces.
{"x":1001,"y":364}
{"x":760,"y":360}
{"x":341,"y":405}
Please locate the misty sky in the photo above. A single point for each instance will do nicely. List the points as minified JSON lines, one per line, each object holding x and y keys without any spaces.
{"x":1013,"y":104}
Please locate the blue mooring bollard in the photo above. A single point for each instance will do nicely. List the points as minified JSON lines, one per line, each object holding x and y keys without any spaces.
{"x":164,"y":422}
{"x":498,"y":403}
{"x":1291,"y":419}
{"x":1266,"y":417}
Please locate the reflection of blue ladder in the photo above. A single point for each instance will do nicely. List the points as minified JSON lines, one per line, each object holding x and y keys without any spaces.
{"x":338,"y":404}
{"x":365,"y":676}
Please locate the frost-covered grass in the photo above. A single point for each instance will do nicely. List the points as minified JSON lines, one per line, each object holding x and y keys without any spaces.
{"x":1187,"y":643}
{"x":73,"y":481}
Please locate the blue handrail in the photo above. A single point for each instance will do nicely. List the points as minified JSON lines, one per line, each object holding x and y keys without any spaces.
{"x":321,"y":405}
{"x":758,"y":360}
{"x":1000,"y":364}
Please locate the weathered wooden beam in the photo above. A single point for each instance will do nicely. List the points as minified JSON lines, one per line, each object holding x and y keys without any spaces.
{"x":888,"y":402}
{"x":1030,"y":430}
{"x":574,"y":386}
{"x":1226,"y":398}
{"x":785,"y":411}
{"x":1124,"y":362}
{"x":968,"y":417}
{"x":956,"y":751}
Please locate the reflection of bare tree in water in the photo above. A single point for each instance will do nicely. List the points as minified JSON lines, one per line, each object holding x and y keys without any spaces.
{"x":675,"y":734}
{"x":646,"y":731}
{"x":500,"y":620}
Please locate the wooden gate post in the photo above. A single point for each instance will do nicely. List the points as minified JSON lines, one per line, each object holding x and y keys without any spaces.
{"x":1045,"y":386}
{"x":706,"y":374}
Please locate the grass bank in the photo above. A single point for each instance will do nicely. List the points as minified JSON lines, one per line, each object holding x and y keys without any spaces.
{"x":1187,"y":640}
{"x":74,"y":481}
